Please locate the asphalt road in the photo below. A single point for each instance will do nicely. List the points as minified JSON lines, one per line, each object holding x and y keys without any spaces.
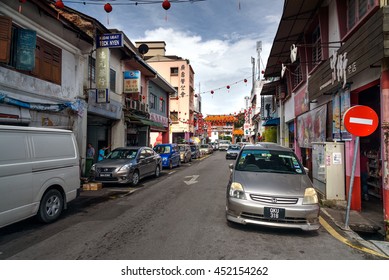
{"x":179,"y":216}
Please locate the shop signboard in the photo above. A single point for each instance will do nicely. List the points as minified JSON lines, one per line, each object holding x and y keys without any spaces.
{"x":114,"y":40}
{"x":131,"y":83}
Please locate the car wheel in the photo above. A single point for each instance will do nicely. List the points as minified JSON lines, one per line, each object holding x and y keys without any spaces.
{"x":158,"y":171}
{"x":51,"y":206}
{"x":135,"y":178}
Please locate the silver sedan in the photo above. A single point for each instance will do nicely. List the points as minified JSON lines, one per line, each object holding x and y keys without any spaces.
{"x":127,"y":165}
{"x":268,"y":186}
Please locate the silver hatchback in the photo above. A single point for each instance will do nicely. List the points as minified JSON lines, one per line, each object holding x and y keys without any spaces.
{"x":269,"y":186}
{"x":127,"y":165}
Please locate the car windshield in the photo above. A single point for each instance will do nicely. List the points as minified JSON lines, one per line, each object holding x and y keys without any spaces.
{"x":234,"y":147}
{"x":122,"y":154}
{"x":162,"y":149}
{"x":269,"y":161}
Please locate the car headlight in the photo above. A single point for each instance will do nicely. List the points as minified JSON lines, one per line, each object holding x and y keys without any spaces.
{"x":237,"y":191}
{"x":310,"y":196}
{"x":93,"y":168}
{"x":126,"y":167}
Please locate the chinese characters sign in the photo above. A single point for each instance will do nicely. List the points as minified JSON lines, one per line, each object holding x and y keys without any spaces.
{"x":131,"y":81}
{"x":102,"y":70}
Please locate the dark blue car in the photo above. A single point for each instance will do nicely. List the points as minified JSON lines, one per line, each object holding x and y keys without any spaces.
{"x":170,"y":155}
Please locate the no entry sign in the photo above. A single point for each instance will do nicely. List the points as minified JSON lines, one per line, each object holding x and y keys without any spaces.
{"x":360,"y":120}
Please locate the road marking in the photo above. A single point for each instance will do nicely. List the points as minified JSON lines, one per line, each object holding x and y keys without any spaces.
{"x":361,"y":121}
{"x":192,"y":180}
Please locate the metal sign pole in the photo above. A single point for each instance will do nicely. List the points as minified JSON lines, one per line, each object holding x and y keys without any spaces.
{"x":350,"y":191}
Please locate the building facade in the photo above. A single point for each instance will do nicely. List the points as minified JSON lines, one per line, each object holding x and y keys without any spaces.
{"x":337,"y":58}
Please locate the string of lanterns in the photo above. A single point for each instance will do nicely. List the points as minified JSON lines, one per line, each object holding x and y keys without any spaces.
{"x":228,"y":87}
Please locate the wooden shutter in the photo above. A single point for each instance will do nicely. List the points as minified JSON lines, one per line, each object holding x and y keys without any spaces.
{"x":5,"y":38}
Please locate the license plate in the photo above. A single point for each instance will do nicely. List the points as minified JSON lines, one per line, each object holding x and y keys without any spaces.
{"x":105,"y":174}
{"x":274,"y":213}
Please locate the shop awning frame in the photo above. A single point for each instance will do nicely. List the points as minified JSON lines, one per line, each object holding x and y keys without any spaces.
{"x":141,"y":120}
{"x":272,"y":122}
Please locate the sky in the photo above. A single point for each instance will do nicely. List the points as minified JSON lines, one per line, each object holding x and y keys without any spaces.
{"x":219,"y":38}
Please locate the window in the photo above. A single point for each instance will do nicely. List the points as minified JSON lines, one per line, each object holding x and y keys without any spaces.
{"x":174,"y":71}
{"x":112,"y":80}
{"x":175,"y":94}
{"x":44,"y":59}
{"x":357,"y":10}
{"x":162,"y":105}
{"x":153,"y":101}
{"x":296,"y":76}
{"x":92,"y":69}
{"x":316,"y":46}
{"x":174,"y":116}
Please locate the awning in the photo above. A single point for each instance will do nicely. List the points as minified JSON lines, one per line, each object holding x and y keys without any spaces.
{"x":272,"y":122}
{"x":142,"y":120}
{"x":270,"y":88}
{"x":295,"y":18}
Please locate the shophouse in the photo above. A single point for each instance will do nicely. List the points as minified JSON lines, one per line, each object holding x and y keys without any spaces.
{"x":42,"y":60}
{"x":179,"y":73}
{"x":328,"y":56}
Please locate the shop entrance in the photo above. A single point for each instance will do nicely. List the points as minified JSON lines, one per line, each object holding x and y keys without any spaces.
{"x":370,"y":160}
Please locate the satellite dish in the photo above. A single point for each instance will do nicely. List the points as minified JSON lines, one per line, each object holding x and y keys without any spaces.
{"x":143,"y":49}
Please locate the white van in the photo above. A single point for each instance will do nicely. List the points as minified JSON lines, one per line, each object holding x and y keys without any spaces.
{"x":39,"y":173}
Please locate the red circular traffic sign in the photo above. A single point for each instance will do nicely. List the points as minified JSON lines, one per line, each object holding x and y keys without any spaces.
{"x":360,"y":120}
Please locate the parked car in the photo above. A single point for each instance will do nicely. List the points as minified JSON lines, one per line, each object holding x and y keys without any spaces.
{"x":127,"y":165}
{"x":206,"y":149}
{"x":195,"y":151}
{"x":214,"y":145}
{"x":269,"y":186}
{"x":232,"y":151}
{"x":223,"y":145}
{"x":39,"y":173}
{"x":170,"y":155}
{"x":185,"y":152}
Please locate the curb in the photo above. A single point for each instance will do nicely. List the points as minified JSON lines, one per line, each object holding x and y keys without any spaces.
{"x":351,"y":238}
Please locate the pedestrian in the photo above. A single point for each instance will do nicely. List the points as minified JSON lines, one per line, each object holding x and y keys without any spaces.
{"x":102,"y":153}
{"x":90,"y":152}
{"x":364,"y":167}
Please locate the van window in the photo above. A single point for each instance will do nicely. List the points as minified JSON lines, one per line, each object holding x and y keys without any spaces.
{"x":44,"y":149}
{"x":15,"y":152}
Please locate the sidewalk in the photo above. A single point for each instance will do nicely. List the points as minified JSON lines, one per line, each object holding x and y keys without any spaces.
{"x":364,"y":229}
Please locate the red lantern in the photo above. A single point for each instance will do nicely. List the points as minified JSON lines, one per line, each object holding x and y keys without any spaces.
{"x":166,"y":5}
{"x":108,"y":8}
{"x":161,"y":98}
{"x":59,"y":4}
{"x":263,"y":71}
{"x":20,"y":5}
{"x":228,"y":87}
{"x":195,"y":95}
{"x":245,"y":80}
{"x":212,"y":92}
{"x":143,"y":97}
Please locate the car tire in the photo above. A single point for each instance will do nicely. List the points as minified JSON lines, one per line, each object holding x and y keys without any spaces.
{"x":51,"y":206}
{"x":157,"y":172}
{"x":135,"y":178}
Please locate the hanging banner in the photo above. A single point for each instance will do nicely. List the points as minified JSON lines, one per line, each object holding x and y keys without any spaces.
{"x":311,"y":127}
{"x":340,"y":104}
{"x":266,"y":107}
{"x":131,"y":83}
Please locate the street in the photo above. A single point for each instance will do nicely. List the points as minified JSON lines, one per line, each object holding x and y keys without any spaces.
{"x":179,"y":216}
